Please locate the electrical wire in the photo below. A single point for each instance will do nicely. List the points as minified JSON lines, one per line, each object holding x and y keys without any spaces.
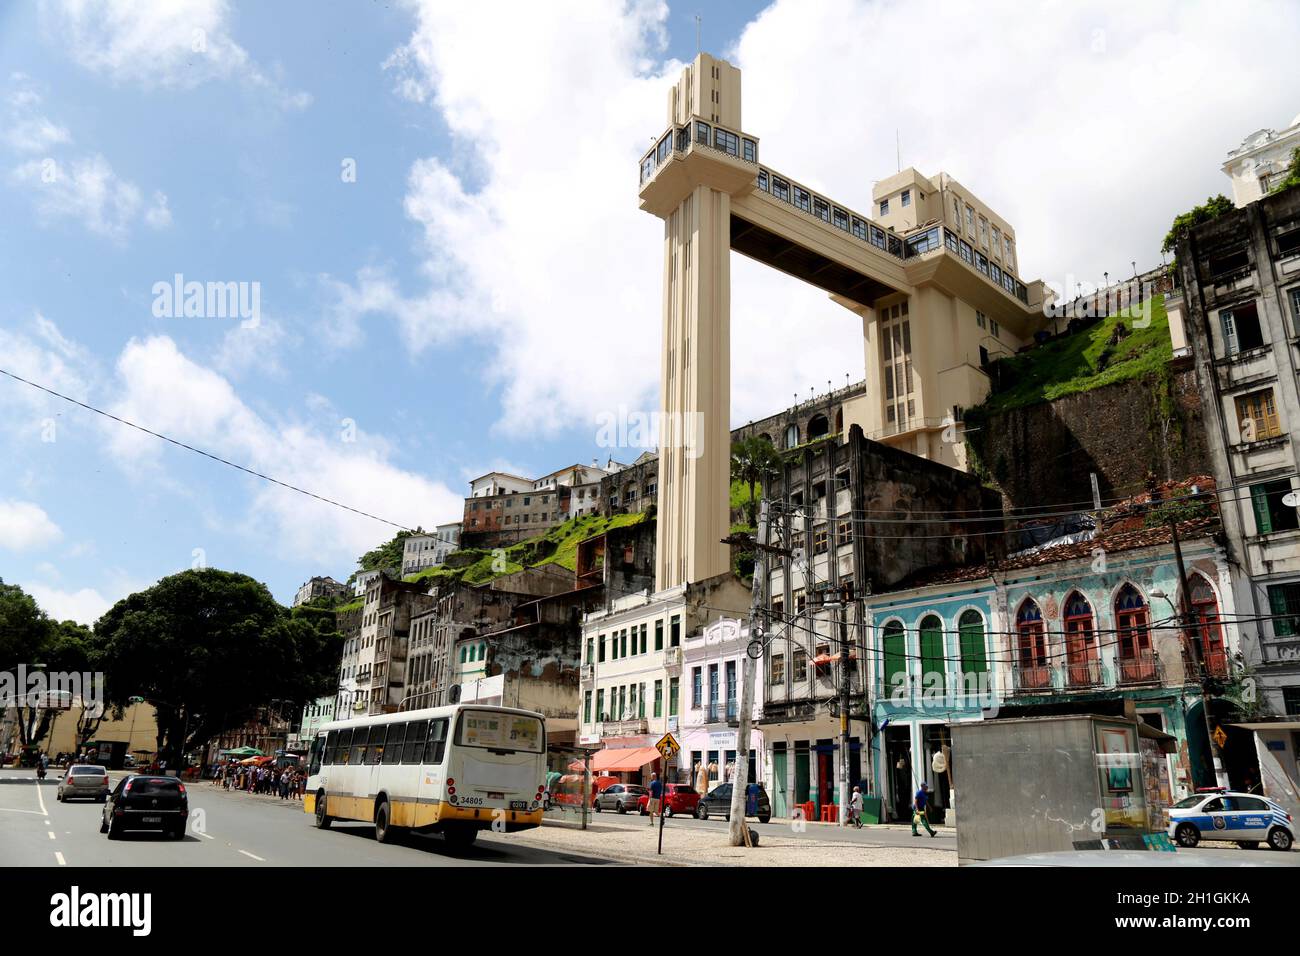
{"x":205,"y":454}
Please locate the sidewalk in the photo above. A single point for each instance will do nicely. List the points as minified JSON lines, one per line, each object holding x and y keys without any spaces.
{"x":635,"y":842}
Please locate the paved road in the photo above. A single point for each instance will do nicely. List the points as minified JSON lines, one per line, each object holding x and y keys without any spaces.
{"x":232,"y":830}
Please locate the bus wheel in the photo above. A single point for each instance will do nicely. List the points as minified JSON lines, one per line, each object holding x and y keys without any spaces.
{"x":460,"y":837}
{"x":385,"y":832}
{"x":323,"y":820}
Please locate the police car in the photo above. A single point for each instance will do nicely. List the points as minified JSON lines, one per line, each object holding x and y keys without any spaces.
{"x":1220,"y":814}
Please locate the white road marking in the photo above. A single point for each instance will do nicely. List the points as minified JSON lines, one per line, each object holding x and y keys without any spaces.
{"x":59,"y":856}
{"x":205,"y":836}
{"x":16,"y":810}
{"x":40,"y":797}
{"x":253,"y":855}
{"x":51,"y":834}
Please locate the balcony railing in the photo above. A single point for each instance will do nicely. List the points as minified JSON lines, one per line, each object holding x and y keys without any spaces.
{"x":1031,"y":678}
{"x":625,"y":728}
{"x":1143,"y":668}
{"x":1081,"y":675}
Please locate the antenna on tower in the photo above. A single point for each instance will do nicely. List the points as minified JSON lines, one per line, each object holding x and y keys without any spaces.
{"x":698,"y":48}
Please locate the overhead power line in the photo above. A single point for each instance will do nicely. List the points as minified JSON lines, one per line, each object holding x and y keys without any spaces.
{"x":200,"y":451}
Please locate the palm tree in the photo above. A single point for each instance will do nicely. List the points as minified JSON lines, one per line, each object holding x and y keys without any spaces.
{"x":753,"y":459}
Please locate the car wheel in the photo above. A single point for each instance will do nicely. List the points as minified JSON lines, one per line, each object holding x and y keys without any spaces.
{"x":621,"y":807}
{"x":114,"y":831}
{"x":643,"y":810}
{"x":103,"y":824}
{"x":596,"y":805}
{"x":1187,"y":835}
{"x":668,"y":812}
{"x":1279,"y":839}
{"x":766,"y":819}
{"x":323,"y":819}
{"x":59,"y":796}
{"x":701,"y":812}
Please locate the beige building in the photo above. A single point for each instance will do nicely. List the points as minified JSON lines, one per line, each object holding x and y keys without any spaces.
{"x":931,"y":273}
{"x":1260,"y":162}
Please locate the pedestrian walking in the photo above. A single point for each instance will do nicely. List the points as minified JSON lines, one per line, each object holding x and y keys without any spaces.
{"x":855,"y":808}
{"x":921,"y":810}
{"x":656,"y":794}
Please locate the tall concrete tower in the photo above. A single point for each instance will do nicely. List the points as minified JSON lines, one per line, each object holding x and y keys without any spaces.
{"x":693,"y":197}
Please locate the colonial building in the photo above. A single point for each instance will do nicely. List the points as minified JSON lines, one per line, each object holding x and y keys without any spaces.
{"x":1240,"y":304}
{"x":853,"y":516}
{"x":320,"y":587}
{"x":1260,"y":162}
{"x":430,"y":550}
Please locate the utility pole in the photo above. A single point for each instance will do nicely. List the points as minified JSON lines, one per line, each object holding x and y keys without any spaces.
{"x":844,"y":708}
{"x":740,"y":780}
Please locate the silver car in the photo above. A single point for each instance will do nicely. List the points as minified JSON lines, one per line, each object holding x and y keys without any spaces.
{"x":84,"y":780}
{"x":621,"y":797}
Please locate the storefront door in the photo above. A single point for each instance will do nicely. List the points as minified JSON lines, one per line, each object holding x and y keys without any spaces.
{"x":780,"y":796}
{"x":898,"y":758}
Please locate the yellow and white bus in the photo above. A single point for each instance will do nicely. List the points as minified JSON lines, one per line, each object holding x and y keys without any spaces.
{"x":452,"y":770}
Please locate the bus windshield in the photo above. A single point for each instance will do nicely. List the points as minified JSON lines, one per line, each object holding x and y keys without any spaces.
{"x":494,"y":730}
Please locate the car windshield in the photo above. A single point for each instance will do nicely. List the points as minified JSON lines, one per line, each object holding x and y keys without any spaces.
{"x":88,"y":771}
{"x":147,"y":785}
{"x":1188,"y":802}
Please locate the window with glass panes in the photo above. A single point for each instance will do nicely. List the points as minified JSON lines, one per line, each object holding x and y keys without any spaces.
{"x":1284,"y":606}
{"x":659,"y":635}
{"x":970,"y":634}
{"x":659,"y":698}
{"x":672,"y":696}
{"x":776,"y":670}
{"x":1272,"y":513}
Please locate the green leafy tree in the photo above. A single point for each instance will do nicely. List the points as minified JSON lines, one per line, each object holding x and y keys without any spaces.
{"x":1212,"y":208}
{"x":207,"y":649}
{"x":753,"y":460}
{"x":1292,"y":177}
{"x":26,"y":638}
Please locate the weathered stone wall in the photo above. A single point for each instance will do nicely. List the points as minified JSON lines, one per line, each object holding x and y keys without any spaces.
{"x":1042,"y":454}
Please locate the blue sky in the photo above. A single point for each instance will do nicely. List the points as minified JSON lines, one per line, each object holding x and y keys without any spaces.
{"x":485,"y":288}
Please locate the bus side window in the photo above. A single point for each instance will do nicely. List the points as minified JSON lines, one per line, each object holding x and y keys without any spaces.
{"x":360,"y":736}
{"x":345,"y":747}
{"x":437,"y":741}
{"x":396,"y":738}
{"x":378,"y":736}
{"x":416,"y":734}
{"x":332,"y":748}
{"x":317,"y":754}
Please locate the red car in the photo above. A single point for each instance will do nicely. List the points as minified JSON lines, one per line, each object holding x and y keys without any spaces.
{"x":679,"y":798}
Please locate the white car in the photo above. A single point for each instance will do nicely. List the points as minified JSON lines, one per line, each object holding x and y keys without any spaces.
{"x":1244,"y":818}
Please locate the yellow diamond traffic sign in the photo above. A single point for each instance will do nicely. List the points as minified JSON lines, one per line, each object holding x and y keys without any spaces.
{"x":1220,"y":737}
{"x":668,"y":746}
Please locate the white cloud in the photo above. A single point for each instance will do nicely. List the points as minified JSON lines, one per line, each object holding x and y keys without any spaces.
{"x":253,"y":349}
{"x":88,"y":192}
{"x":41,"y":354}
{"x":1088,"y":126}
{"x":84,"y":605}
{"x":161,"y":43}
{"x":29,"y":130}
{"x":25,"y":526}
{"x":164,"y":390}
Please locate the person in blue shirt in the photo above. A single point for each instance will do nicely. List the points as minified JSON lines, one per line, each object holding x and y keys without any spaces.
{"x":656,"y":794}
{"x":920,"y":810}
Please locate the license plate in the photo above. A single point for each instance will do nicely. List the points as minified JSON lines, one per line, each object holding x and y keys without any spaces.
{"x":492,"y":795}
{"x":153,"y":819}
{"x":518,"y":804}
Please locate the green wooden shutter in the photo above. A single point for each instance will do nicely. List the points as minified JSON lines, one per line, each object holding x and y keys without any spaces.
{"x":973,"y":658}
{"x":932,"y":655}
{"x":895,"y":657}
{"x":1259,"y":498}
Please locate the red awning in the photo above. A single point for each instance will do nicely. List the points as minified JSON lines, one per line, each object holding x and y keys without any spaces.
{"x":823,"y":659}
{"x":623,"y":759}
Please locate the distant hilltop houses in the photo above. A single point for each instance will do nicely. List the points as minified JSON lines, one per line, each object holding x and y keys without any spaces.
{"x":1029,"y":504}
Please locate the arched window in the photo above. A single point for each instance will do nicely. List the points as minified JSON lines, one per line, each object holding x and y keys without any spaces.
{"x":1082,"y":669}
{"x":1137,"y":663}
{"x":895,"y":647}
{"x":974,"y":660}
{"x":1207,"y":632}
{"x":933,"y":663}
{"x":1032,"y":671}
{"x":791,"y":436}
{"x":818,"y":426}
